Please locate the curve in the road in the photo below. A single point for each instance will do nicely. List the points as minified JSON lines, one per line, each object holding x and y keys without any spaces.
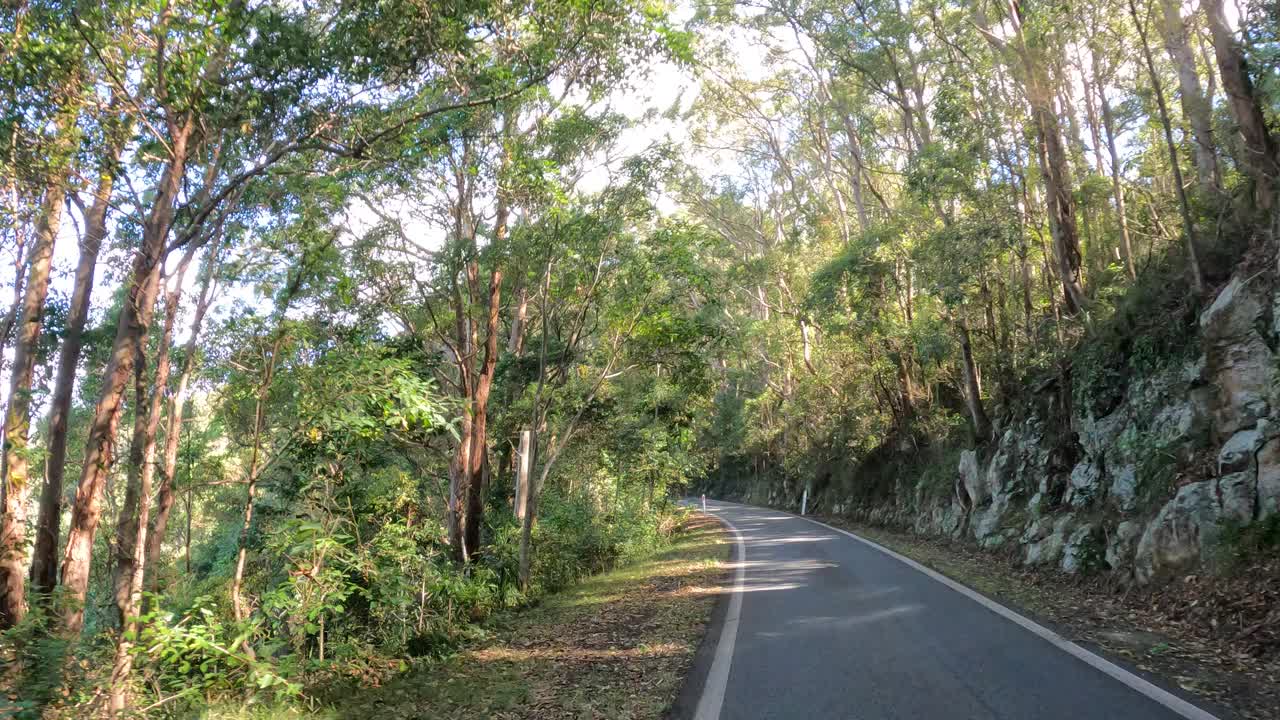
{"x":822,"y":623}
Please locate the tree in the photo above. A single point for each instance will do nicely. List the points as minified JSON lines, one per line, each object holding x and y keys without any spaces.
{"x":63,"y":89}
{"x":1188,"y":226}
{"x":1033,"y":57}
{"x":1260,"y":158}
{"x":1196,"y":108}
{"x":44,"y":567}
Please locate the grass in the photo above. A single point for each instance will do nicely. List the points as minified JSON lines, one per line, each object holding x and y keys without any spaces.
{"x":616,"y":646}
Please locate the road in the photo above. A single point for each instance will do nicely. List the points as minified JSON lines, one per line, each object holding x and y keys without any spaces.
{"x":827,"y":626}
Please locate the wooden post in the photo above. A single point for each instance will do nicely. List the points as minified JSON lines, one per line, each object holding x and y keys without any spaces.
{"x":522,"y":473}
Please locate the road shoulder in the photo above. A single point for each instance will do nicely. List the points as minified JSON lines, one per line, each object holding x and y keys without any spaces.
{"x":616,"y":646}
{"x":691,"y":692}
{"x":1125,"y":628}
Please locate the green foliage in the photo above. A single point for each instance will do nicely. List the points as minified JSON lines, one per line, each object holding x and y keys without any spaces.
{"x":874,"y":258}
{"x":1150,"y":328}
{"x":937,"y":479}
{"x":576,"y":538}
{"x":1239,"y":543}
{"x":40,"y":655}
{"x":1090,"y":551}
{"x":200,"y":653}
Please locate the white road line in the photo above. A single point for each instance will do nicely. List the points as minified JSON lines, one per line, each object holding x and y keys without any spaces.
{"x":1164,"y":697}
{"x":718,"y":677}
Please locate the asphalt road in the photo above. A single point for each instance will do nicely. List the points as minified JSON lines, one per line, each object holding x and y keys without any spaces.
{"x":829,"y":627}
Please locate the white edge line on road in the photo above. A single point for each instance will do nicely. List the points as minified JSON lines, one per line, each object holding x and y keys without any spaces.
{"x":1156,"y":693}
{"x":718,"y":676}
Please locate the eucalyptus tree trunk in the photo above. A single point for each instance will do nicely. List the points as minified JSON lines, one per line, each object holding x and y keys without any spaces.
{"x":132,"y":534}
{"x":142,"y":452}
{"x":855,"y":169}
{"x":165,"y":495}
{"x":44,"y":563}
{"x":1091,"y":113}
{"x":131,"y":332}
{"x":531,"y":493}
{"x":1188,"y":227}
{"x":1031,"y":62}
{"x":17,"y":422}
{"x":1195,"y":106}
{"x":1117,"y":186}
{"x":1054,"y":164}
{"x":973,"y":388}
{"x":1260,"y":158}
{"x":469,"y":467}
{"x":1061,"y":206}
{"x":479,"y":456}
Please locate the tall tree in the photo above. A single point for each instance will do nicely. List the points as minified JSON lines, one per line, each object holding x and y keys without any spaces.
{"x":1260,"y":149}
{"x":1184,"y":205}
{"x":149,"y":394}
{"x":175,"y":413}
{"x":1033,"y":58}
{"x":17,"y":423}
{"x":1196,"y":107}
{"x":44,"y":565}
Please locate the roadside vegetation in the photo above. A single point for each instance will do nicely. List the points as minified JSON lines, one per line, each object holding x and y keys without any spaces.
{"x":615,"y":646}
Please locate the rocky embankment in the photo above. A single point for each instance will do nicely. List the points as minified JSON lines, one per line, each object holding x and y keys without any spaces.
{"x":1145,"y":486}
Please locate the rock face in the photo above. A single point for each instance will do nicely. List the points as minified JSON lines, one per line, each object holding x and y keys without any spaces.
{"x":1121,"y":545}
{"x":1145,"y":489}
{"x":1239,"y":361}
{"x":1083,"y":550}
{"x":1268,"y":459}
{"x":971,"y":477}
{"x":1179,"y":532}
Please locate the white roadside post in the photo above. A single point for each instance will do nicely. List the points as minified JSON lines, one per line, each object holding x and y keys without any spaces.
{"x":704,"y":502}
{"x":804,"y":501}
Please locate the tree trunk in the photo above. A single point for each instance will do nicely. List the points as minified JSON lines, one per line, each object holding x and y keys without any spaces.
{"x":1091,"y":111}
{"x":525,"y":565}
{"x":1117,"y":188}
{"x":135,"y":319}
{"x":1260,"y":158}
{"x":515,"y":343}
{"x":17,"y":422}
{"x":142,"y":453}
{"x":128,"y":576}
{"x":1194,"y":104}
{"x":855,"y":169}
{"x":459,"y":479}
{"x":251,"y":476}
{"x":523,"y":473}
{"x":44,"y":564}
{"x":973,"y":388}
{"x":165,"y":495}
{"x":1188,"y":227}
{"x":479,"y":455}
{"x":1054,"y":165}
{"x":1061,"y":207}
